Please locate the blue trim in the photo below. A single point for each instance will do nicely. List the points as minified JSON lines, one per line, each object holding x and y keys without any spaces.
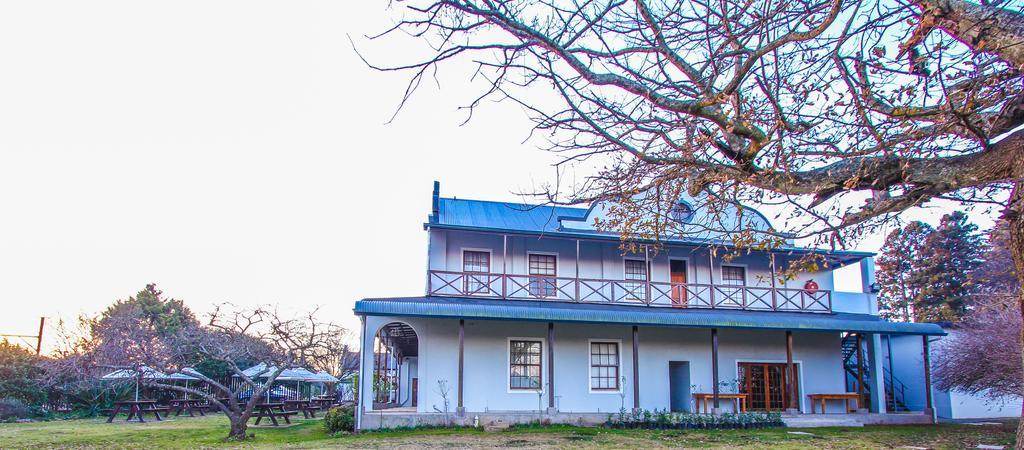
{"x":540,"y":311}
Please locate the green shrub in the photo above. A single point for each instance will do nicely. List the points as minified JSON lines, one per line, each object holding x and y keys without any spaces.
{"x":340,"y":419}
{"x":663,"y":419}
{"x":12,"y":409}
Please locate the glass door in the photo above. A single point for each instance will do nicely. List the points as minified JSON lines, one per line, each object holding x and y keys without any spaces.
{"x":765,"y":383}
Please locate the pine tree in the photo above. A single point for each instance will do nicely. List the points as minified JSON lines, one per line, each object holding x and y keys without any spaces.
{"x":943,"y":269}
{"x":995,"y":280}
{"x":896,"y":266}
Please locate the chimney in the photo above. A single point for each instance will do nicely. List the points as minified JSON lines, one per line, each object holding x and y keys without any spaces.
{"x":436,"y":202}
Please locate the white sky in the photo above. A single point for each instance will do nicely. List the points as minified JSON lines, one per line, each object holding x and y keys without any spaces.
{"x":227,"y":151}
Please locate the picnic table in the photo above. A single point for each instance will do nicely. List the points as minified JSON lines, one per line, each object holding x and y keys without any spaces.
{"x":136,"y":408}
{"x":323,"y":401}
{"x":739,"y":399}
{"x":846,"y":396}
{"x":189,"y":405}
{"x":306,"y":406}
{"x":273,"y":410}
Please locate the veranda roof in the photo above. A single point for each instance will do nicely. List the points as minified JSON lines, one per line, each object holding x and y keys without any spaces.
{"x":547,"y":311}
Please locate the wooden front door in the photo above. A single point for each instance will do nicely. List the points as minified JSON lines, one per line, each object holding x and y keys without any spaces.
{"x":765,"y":383}
{"x":415,"y":390}
{"x":678,"y":269}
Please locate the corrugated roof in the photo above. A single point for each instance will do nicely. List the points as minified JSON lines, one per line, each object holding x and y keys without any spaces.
{"x":503,"y":216}
{"x":450,"y":307}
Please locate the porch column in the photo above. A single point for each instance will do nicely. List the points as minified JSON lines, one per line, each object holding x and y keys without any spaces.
{"x":860,"y":372}
{"x":794,"y":399}
{"x":928,"y":409}
{"x":361,"y":379}
{"x":876,"y":371}
{"x":636,"y":369}
{"x":716,"y":408}
{"x":551,"y":368}
{"x":461,"y":409}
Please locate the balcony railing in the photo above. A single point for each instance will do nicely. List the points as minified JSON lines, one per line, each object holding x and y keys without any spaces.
{"x":627,"y":292}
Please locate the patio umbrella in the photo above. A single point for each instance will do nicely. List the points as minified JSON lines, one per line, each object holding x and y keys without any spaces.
{"x":297,"y":374}
{"x":146,"y":373}
{"x":322,"y":378}
{"x":183,"y":376}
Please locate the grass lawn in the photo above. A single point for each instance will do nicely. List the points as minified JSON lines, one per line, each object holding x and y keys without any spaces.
{"x":209,"y":431}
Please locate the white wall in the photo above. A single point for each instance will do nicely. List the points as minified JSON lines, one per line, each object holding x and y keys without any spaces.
{"x":908,"y":367}
{"x":486,"y":362}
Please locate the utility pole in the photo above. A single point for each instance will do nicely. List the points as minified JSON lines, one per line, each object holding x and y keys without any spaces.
{"x":39,"y":339}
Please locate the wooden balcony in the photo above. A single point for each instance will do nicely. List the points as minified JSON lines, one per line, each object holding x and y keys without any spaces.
{"x":627,"y":292}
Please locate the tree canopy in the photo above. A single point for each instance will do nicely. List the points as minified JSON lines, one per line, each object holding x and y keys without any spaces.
{"x":841,"y":113}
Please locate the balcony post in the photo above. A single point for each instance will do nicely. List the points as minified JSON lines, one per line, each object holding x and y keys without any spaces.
{"x":711,"y":277}
{"x":775,"y":301}
{"x":577,"y":280}
{"x":647,"y":270}
{"x":504,"y":266}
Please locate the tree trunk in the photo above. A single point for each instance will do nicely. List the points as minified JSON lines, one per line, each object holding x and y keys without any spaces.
{"x":1014,"y":216}
{"x":239,"y":427}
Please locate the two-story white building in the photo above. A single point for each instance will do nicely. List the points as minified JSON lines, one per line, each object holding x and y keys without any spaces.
{"x":530,"y":313}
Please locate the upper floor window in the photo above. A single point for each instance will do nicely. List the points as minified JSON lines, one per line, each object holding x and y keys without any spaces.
{"x":543,"y":270}
{"x":476,"y":262}
{"x":681,"y":212}
{"x":734,"y":275}
{"x":524,"y":365}
{"x":604,"y":366}
{"x":636,"y":279}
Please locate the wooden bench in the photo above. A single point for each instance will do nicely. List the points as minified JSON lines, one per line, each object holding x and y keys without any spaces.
{"x":274,"y":415}
{"x":273,"y":411}
{"x":739,"y":399}
{"x":845,"y":396}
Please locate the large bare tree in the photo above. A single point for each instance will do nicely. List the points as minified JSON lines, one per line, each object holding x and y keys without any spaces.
{"x":231,"y":336}
{"x":841,"y":114}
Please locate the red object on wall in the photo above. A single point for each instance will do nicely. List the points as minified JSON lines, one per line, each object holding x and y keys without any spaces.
{"x":811,"y":286}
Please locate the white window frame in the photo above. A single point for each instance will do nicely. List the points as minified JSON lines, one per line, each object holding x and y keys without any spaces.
{"x":508,"y":365}
{"x":590,"y":365}
{"x":462,"y":258}
{"x":647,"y":264}
{"x":487,"y":291}
{"x":558,"y":268}
{"x":746,"y":274}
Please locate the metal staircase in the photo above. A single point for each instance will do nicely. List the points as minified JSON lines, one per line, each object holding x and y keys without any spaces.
{"x":894,"y":388}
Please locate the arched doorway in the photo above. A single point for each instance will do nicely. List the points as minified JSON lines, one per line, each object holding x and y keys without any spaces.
{"x":395,"y":366}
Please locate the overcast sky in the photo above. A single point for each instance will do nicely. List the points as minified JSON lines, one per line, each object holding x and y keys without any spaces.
{"x":228,"y":151}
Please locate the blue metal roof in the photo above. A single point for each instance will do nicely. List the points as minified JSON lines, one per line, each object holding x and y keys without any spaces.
{"x":542,"y":311}
{"x":503,"y":216}
{"x":521,"y":218}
